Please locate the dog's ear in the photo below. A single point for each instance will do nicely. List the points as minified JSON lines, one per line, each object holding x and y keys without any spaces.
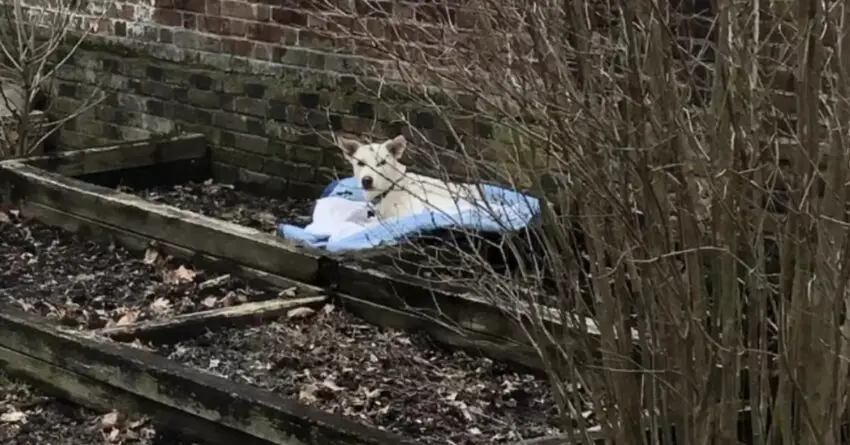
{"x":396,"y":146}
{"x":348,"y":146}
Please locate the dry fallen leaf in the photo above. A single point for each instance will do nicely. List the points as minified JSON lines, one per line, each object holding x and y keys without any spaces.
{"x":113,"y":435}
{"x":139,"y":345}
{"x":266,"y":218}
{"x":25,"y":305}
{"x":308,"y":394}
{"x":184,"y":274}
{"x":373,"y":393}
{"x":113,"y":419}
{"x":210,"y":302}
{"x":331,"y":385}
{"x":151,"y":256}
{"x":161,"y":305}
{"x":137,"y":423}
{"x":128,"y":318}
{"x":299,"y":312}
{"x":229,"y":300}
{"x":13,"y":416}
{"x":4,"y":218}
{"x":288,"y":292}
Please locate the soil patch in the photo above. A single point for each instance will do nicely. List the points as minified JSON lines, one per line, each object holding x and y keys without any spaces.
{"x":226,"y":202}
{"x":387,"y":379}
{"x":28,"y":417}
{"x":90,"y":285}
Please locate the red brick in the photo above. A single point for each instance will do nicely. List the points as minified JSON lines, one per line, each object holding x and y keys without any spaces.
{"x":339,"y":23}
{"x":104,"y":26}
{"x":167,"y":17}
{"x":404,"y":10}
{"x":378,"y":29}
{"x":264,"y":32}
{"x":373,"y":8}
{"x":290,"y":36}
{"x":213,"y":7}
{"x":262,"y":13}
{"x":239,"y":47}
{"x":190,"y":21}
{"x":210,"y":24}
{"x":237,"y":28}
{"x":290,"y":17}
{"x":191,"y":5}
{"x":262,"y":51}
{"x":162,"y":3}
{"x":466,"y":18}
{"x":127,"y":12}
{"x":237,"y":9}
{"x":346,"y":44}
{"x":435,"y":14}
{"x":315,"y":39}
{"x":112,"y":11}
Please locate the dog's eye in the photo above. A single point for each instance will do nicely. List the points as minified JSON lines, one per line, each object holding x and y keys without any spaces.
{"x":361,"y":164}
{"x":380,"y":163}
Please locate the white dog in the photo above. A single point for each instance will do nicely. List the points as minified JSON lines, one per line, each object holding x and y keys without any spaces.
{"x":391,"y":190}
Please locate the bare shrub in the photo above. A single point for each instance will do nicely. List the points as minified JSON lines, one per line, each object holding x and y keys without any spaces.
{"x":691,"y":268}
{"x":37,"y":38}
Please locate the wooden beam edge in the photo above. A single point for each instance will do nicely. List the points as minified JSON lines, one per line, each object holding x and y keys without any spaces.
{"x":400,"y":291}
{"x":139,"y":243}
{"x":101,"y":397}
{"x":209,"y":319}
{"x":54,"y":184}
{"x":470,"y":341}
{"x":239,"y":406}
{"x":128,"y":146}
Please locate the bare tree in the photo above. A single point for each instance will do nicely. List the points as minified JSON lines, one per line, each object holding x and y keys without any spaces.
{"x":690,"y":266}
{"x":37,"y":38}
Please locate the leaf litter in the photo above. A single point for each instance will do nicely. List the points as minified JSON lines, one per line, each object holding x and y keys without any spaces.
{"x":386,"y":379}
{"x":28,"y":417}
{"x":224,"y":201}
{"x":89,"y":285}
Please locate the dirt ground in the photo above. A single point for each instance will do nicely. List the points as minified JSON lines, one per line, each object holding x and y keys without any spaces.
{"x":224,"y":201}
{"x":28,"y":417}
{"x":387,"y":379}
{"x":88,"y":285}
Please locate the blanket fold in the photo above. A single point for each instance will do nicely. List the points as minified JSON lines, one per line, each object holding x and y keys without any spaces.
{"x":341,"y":222}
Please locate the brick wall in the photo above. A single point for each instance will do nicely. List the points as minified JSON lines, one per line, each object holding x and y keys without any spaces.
{"x":267,"y":81}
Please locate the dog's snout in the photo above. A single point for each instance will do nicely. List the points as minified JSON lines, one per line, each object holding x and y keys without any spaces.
{"x":367,"y":182}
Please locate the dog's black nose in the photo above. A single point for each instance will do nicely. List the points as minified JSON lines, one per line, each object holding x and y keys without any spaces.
{"x":367,"y":182}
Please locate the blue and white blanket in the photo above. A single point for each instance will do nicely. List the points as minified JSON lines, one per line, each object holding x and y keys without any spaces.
{"x":341,"y":221}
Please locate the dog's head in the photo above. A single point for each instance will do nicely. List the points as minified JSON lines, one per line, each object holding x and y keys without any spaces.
{"x":376,"y":166}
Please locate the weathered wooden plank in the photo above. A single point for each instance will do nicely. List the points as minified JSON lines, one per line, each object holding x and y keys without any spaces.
{"x":244,"y":245}
{"x":442,"y":332}
{"x":139,"y":243}
{"x":121,"y":156}
{"x":464,"y":310}
{"x":244,"y":408}
{"x":102,"y":397}
{"x":185,"y":326}
{"x":261,"y":183}
{"x":578,"y":438}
